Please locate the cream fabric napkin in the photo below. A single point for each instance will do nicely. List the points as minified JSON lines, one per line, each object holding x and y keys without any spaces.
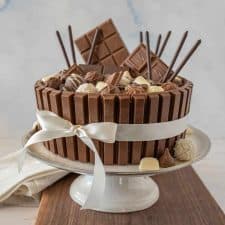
{"x":24,"y":188}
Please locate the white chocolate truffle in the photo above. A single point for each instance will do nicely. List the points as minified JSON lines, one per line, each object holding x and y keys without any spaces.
{"x":184,"y":150}
{"x":149,"y":163}
{"x":126,"y":78}
{"x":153,"y":88}
{"x":86,"y":88}
{"x":101,"y":85}
{"x":189,"y":131}
{"x":141,"y":80}
{"x":48,"y":77}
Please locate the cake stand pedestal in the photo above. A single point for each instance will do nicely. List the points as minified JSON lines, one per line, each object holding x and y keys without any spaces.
{"x":127,"y":189}
{"x":122,"y":193}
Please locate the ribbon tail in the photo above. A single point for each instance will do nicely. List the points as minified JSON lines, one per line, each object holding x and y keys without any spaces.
{"x":98,"y":185}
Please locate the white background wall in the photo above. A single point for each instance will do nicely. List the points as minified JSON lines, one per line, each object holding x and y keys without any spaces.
{"x":29,"y":49}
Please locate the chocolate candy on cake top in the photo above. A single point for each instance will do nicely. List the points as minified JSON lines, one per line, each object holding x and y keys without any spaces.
{"x":110,"y":48}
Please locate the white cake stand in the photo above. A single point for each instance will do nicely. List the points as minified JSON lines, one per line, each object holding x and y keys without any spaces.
{"x":127,"y":189}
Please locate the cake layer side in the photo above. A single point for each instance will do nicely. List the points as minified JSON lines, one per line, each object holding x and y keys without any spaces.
{"x":88,"y":108}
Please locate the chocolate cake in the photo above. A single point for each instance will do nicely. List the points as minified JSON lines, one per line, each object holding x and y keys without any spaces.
{"x":115,"y":87}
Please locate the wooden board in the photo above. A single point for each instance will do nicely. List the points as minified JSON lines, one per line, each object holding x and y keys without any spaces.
{"x":184,"y":200}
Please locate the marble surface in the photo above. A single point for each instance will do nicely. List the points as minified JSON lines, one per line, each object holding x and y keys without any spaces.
{"x":29,"y":50}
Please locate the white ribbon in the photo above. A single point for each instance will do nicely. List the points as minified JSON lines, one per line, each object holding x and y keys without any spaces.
{"x":55,"y":127}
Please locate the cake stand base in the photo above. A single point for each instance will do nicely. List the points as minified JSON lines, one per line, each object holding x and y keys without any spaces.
{"x":122,"y":193}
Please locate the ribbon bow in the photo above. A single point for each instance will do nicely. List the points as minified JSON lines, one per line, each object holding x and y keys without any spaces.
{"x":54,"y":127}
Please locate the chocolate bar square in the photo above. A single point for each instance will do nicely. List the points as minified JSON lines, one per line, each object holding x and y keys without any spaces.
{"x":110,"y":48}
{"x":137,"y":60}
{"x":159,"y":69}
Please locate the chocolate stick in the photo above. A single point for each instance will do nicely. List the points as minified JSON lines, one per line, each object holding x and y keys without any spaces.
{"x":93,"y":46}
{"x":187,"y":57}
{"x":63,"y":48}
{"x":148,"y":55}
{"x":166,"y":76}
{"x":71,"y":44}
{"x":164,"y":43}
{"x":158,"y":44}
{"x":141,"y":37}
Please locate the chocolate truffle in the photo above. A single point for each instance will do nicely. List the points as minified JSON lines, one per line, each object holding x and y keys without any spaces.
{"x":166,"y":160}
{"x":169,"y":86}
{"x":86,"y":88}
{"x":93,"y":77}
{"x":73,"y":82}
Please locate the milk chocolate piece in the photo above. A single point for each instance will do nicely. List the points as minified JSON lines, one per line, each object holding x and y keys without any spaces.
{"x":47,"y":106}
{"x":152,"y":117}
{"x":94,"y":117}
{"x":80,"y":100}
{"x":109,"y":50}
{"x":163,"y":117}
{"x":73,"y":69}
{"x":87,"y":68}
{"x":114,"y":78}
{"x":159,"y":69}
{"x":174,"y":111}
{"x":138,"y":117}
{"x":55,"y":100}
{"x":124,"y":112}
{"x":68,"y":114}
{"x":137,"y":60}
{"x":166,"y":160}
{"x":108,"y":116}
{"x":93,"y":77}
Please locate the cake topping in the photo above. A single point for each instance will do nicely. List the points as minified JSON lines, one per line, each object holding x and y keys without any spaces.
{"x":166,"y":160}
{"x":149,"y":163}
{"x":125,"y":79}
{"x":154,"y":88}
{"x":169,"y":86}
{"x":114,"y":78}
{"x":53,"y":82}
{"x":136,"y":89}
{"x":110,"y":89}
{"x":86,"y":88}
{"x":141,"y":80}
{"x":101,"y":85}
{"x":93,"y":77}
{"x":184,"y":150}
{"x":73,"y":82}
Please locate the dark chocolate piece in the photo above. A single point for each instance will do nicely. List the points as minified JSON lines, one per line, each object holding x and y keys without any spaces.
{"x":109,"y":50}
{"x":72,"y":44}
{"x":164,"y":44}
{"x":175,"y":56}
{"x":63,"y":48}
{"x":158,"y":44}
{"x":186,"y":58}
{"x":148,"y":57}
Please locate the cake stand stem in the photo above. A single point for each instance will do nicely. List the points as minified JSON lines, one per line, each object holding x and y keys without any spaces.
{"x":122,"y":193}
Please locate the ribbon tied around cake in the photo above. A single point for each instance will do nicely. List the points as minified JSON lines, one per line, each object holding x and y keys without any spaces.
{"x":53,"y":126}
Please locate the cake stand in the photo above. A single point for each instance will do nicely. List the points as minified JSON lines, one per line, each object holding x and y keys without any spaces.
{"x":126,"y":189}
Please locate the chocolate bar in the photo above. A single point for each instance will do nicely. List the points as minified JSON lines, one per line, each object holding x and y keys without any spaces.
{"x":138,"y":117}
{"x":165,"y":100}
{"x":137,"y":60}
{"x":152,"y":109}
{"x":110,"y":48}
{"x":80,"y":100}
{"x":159,"y":69}
{"x":68,"y":114}
{"x":94,"y":117}
{"x":108,"y":116}
{"x":55,"y":101}
{"x":124,"y":112}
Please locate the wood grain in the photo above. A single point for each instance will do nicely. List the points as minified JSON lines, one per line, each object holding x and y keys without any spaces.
{"x":184,"y":200}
